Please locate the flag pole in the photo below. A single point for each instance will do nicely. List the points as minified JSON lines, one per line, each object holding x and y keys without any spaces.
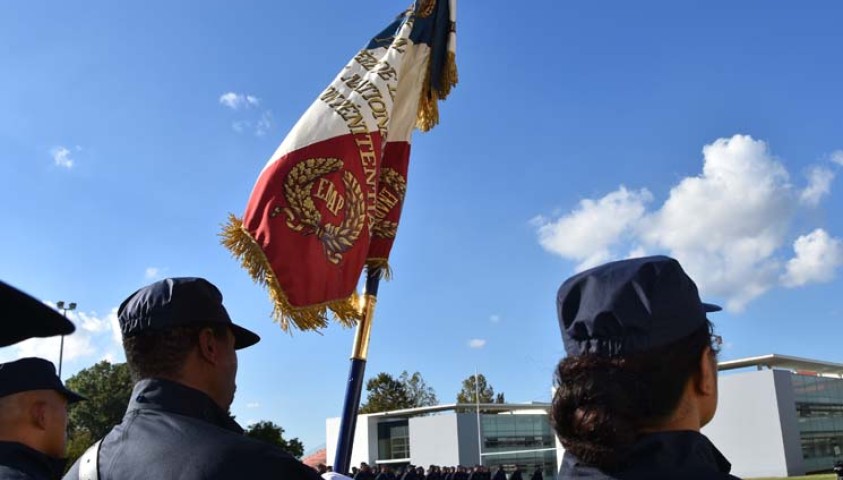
{"x":359,"y":354}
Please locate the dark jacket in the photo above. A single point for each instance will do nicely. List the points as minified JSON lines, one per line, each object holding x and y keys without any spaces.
{"x":516,"y":475}
{"x":173,"y":431}
{"x":660,"y":456}
{"x":19,"y":462}
{"x":499,"y":475}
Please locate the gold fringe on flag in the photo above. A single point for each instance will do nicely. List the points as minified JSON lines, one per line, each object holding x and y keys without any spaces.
{"x":313,"y":317}
{"x":428,"y":114}
{"x":450,"y":76}
{"x":382,"y":264}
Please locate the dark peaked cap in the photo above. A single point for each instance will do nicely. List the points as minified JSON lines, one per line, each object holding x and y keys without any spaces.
{"x":23,"y":316}
{"x":28,"y":374}
{"x":178,"y":302}
{"x":629,"y":306}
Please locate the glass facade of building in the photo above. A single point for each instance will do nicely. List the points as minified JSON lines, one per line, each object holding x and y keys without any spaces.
{"x":394,"y":440}
{"x":526,"y":441}
{"x":819,"y":409}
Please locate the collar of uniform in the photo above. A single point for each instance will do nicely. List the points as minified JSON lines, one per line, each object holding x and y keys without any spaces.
{"x":174,"y":397}
{"x":665,"y":453}
{"x":680,"y":449}
{"x":30,"y":461}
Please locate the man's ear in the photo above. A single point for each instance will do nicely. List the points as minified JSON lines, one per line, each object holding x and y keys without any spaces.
{"x":209,"y":345}
{"x":38,"y":414}
{"x":706,"y":378}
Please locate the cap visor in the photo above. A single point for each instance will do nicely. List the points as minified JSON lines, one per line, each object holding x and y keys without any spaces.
{"x":27,"y":317}
{"x":243,"y":338}
{"x":710,"y":307}
{"x":72,"y":397}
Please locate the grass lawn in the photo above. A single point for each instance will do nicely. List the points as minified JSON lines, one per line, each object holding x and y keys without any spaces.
{"x":824,"y":476}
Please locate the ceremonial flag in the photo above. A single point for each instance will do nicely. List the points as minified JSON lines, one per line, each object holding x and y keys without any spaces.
{"x":329,"y":200}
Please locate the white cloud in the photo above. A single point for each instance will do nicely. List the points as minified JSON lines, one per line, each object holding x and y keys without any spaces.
{"x":153,"y":273}
{"x":264,"y":124}
{"x":818,"y":255}
{"x":837,"y":157}
{"x":819,"y":185}
{"x":241,"y":126}
{"x":260,"y":126}
{"x":61,"y":157}
{"x":236,"y":101}
{"x":589,"y":232}
{"x":253,"y":405}
{"x":728,"y":225}
{"x":476,"y":343}
{"x":95,"y":338}
{"x":495,"y":318}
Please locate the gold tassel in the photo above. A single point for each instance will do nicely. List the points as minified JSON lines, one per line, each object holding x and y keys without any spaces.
{"x":428,"y":114}
{"x":382,"y":264}
{"x":450,"y":76}
{"x":314,"y":317}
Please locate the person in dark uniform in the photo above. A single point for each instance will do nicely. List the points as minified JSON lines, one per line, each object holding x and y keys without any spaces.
{"x":499,"y":473}
{"x":381,"y":473}
{"x":537,"y":473}
{"x":23,"y":317}
{"x":364,"y":473}
{"x":640,"y":377}
{"x":516,"y":474}
{"x":181,"y":347}
{"x":409,"y":473}
{"x":33,"y":420}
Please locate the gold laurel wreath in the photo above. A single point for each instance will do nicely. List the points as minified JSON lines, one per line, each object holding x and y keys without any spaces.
{"x":384,"y":228}
{"x":302,"y":214}
{"x":338,"y":239}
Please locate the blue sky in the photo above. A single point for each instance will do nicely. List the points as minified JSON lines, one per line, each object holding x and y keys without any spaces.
{"x":580,"y":132}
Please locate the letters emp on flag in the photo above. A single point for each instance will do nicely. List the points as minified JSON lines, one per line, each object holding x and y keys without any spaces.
{"x":329,"y":200}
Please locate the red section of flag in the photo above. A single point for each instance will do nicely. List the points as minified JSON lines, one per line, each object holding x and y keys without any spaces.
{"x":310,"y":213}
{"x":391,"y":192}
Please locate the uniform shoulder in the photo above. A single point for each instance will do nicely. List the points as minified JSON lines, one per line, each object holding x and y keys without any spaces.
{"x":250,"y":458}
{"x":8,"y":473}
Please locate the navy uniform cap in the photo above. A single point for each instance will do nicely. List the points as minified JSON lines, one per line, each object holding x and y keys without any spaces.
{"x":629,"y":306}
{"x":25,"y":317}
{"x":29,"y":374}
{"x":178,"y":302}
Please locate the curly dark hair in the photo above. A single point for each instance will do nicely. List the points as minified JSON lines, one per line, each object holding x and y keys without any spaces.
{"x":601,"y":403}
{"x":162,"y":353}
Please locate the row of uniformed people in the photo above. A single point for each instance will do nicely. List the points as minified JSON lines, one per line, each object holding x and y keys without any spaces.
{"x":638,"y":383}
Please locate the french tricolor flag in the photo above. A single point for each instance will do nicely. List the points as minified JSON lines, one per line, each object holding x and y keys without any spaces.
{"x":328,"y":202}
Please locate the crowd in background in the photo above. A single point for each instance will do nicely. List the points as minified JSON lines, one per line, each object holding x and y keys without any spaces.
{"x":434,"y":472}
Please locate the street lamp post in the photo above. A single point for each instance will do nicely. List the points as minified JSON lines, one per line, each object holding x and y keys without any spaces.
{"x":61,"y":306}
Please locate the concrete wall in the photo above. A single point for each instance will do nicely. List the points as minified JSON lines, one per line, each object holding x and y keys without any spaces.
{"x":365,"y":445}
{"x":434,"y":440}
{"x":755,"y":425}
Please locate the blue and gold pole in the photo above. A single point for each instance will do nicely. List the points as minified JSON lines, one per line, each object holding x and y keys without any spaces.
{"x":359,"y":354}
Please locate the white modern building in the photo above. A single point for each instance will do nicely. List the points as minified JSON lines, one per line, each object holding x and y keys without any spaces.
{"x":777,"y":416}
{"x":447,"y":435}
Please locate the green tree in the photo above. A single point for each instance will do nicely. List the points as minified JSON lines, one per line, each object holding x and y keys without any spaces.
{"x":421,"y":395}
{"x":469,"y":392}
{"x":385,"y":392}
{"x":108,"y":388}
{"x":271,"y":433}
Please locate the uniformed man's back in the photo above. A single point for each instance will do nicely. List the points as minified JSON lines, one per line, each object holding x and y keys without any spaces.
{"x":173,"y":431}
{"x":180,"y":343}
